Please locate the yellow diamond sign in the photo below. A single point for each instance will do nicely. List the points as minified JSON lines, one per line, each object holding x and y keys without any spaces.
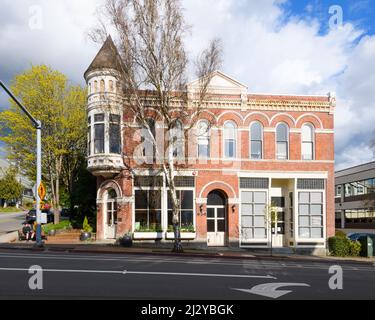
{"x":42,"y":191}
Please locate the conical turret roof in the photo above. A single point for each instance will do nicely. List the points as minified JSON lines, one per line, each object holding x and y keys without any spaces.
{"x":107,"y":57}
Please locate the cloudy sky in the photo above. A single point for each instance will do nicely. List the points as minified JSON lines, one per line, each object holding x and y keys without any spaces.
{"x":275,"y":46}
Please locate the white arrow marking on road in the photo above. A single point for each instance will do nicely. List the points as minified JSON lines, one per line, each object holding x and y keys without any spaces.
{"x":126,"y":272}
{"x":269,"y":290}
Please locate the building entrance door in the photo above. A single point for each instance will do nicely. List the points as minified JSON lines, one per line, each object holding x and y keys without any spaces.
{"x":111,"y":219}
{"x":216,"y":220}
{"x":216,"y":226}
{"x":278,"y":227}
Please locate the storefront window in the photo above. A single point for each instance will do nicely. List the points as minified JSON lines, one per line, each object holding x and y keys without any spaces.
{"x":253,"y":215}
{"x":186,"y":210}
{"x":311,"y":215}
{"x":147,"y":210}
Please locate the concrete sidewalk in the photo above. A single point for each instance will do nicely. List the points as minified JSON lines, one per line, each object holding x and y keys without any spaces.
{"x":239,"y":254}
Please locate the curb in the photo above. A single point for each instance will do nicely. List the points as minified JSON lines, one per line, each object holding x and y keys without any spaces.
{"x":191,"y":255}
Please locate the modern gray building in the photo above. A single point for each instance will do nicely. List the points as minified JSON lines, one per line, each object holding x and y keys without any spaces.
{"x":355,"y":197}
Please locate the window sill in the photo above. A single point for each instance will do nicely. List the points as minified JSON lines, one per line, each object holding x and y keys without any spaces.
{"x":147,"y":235}
{"x":184,"y":235}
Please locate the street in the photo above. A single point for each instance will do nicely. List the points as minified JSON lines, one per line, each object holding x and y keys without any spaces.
{"x":11,"y":222}
{"x":88,"y":276}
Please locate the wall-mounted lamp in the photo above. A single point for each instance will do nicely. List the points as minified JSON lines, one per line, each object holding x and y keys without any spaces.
{"x":201,"y":207}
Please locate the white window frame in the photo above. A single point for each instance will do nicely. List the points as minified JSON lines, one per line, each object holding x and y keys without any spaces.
{"x":311,"y":126}
{"x":235,"y":140}
{"x":251,"y":140}
{"x":207,"y":138}
{"x":253,"y":242}
{"x":297,"y":215}
{"x":288,"y":142}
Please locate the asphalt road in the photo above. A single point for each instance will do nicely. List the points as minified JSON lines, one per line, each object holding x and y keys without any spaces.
{"x":83,"y":276}
{"x":11,"y":221}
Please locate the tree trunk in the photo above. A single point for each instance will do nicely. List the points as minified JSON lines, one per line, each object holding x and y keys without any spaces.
{"x":56,"y":209}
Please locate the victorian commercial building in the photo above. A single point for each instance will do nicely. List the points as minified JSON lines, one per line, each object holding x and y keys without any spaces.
{"x":263,"y":150}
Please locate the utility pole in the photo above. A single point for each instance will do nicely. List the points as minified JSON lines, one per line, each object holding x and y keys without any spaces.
{"x":38,"y":126}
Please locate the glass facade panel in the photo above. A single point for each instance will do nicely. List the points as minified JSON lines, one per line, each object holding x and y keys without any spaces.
{"x":311,"y":215}
{"x":253,"y":223}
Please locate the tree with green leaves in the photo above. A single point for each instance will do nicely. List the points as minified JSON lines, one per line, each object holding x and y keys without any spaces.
{"x":61,"y":107}
{"x":10,"y":188}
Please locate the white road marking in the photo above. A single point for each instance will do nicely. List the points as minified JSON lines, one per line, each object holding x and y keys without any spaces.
{"x":126,"y":272}
{"x":269,"y":290}
{"x":180,"y":260}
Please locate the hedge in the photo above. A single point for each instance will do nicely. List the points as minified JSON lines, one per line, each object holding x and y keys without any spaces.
{"x":344,"y":247}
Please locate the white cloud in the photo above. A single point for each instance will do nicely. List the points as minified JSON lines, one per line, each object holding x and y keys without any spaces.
{"x":262,"y":49}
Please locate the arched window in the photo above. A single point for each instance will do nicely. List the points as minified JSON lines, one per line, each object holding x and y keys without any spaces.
{"x":102,"y":86}
{"x":149,"y":141}
{"x":230,"y":137}
{"x":111,"y":87}
{"x":177,"y":140}
{"x":256,"y":141}
{"x":95,"y":86}
{"x":308,"y":142}
{"x":282,"y":142}
{"x":203,"y":139}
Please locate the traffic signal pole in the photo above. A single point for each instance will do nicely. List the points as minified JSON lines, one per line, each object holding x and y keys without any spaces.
{"x":38,"y":126}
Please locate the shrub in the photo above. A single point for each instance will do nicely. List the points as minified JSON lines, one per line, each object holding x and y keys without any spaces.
{"x":340,"y":234}
{"x":355,"y":248}
{"x":86,"y":226}
{"x":343,"y":247}
{"x":63,"y":225}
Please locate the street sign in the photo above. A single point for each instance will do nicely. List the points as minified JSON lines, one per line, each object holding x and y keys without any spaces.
{"x":42,"y":191}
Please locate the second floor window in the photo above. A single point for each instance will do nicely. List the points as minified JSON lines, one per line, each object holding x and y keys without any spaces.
{"x":203,"y":140}
{"x":99,"y":129}
{"x":282,"y":142}
{"x":307,"y":142}
{"x":114,"y":134}
{"x":256,"y":141}
{"x":230,"y":137}
{"x":149,"y":141}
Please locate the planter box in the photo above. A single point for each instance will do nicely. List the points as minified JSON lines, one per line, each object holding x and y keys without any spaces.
{"x":184,"y":235}
{"x":147,"y":235}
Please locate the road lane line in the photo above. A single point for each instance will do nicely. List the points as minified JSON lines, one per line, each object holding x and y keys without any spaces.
{"x":126,"y":272}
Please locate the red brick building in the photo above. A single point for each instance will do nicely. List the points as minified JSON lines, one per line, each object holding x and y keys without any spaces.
{"x":263,"y":149}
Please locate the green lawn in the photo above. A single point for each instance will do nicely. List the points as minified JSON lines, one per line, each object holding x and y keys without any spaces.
{"x":10,"y":210}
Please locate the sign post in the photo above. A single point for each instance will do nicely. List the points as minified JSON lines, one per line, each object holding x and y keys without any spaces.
{"x":38,"y":126}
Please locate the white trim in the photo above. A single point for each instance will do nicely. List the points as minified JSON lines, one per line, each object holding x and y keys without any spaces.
{"x":218,"y":182}
{"x":258,"y":113}
{"x":232,"y":112}
{"x":310,"y":115}
{"x":284,"y":175}
{"x":283,"y":114}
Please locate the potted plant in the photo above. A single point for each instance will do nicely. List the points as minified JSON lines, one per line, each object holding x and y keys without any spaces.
{"x":86,"y":232}
{"x":127,"y":240}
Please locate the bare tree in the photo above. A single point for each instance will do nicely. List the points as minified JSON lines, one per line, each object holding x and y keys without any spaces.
{"x":150,"y":35}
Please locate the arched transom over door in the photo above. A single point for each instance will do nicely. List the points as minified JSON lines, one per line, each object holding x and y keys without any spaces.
{"x":111,"y":214}
{"x":216,"y":219}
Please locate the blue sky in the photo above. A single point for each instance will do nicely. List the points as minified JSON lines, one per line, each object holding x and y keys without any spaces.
{"x":275,"y":46}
